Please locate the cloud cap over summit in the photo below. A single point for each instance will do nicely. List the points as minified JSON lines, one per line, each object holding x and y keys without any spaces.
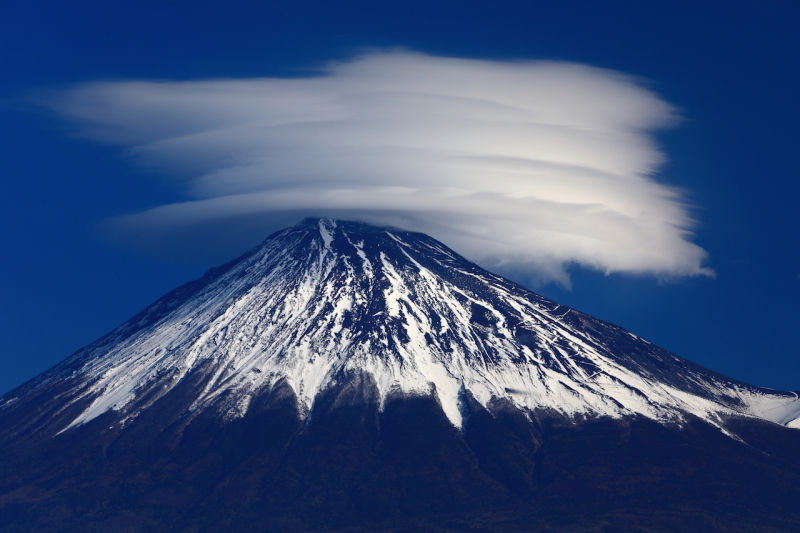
{"x":532,"y":164}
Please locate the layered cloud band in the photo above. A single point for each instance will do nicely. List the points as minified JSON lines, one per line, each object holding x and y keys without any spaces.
{"x":517,"y":165}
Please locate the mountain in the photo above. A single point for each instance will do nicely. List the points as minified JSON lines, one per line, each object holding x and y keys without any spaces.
{"x":346,"y":377}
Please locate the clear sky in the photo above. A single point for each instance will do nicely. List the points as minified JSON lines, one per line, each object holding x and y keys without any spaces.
{"x":730,"y":71}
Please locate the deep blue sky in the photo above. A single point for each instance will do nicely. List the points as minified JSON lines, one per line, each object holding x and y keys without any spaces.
{"x":732,"y":67}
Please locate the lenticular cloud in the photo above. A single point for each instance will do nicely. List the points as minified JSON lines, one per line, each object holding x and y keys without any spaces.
{"x":517,"y":165}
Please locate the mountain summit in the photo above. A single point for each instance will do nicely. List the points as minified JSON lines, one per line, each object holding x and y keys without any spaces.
{"x":374,"y":373}
{"x":327,"y":298}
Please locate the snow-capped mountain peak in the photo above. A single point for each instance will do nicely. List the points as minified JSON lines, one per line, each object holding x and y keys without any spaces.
{"x":326,"y":299}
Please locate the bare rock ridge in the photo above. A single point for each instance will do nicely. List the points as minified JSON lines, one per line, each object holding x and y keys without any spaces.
{"x":346,"y":377}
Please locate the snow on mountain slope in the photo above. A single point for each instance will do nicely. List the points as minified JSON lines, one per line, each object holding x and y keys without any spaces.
{"x":325,"y":297}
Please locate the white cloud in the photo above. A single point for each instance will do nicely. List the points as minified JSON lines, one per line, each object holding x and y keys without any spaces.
{"x":517,"y":165}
